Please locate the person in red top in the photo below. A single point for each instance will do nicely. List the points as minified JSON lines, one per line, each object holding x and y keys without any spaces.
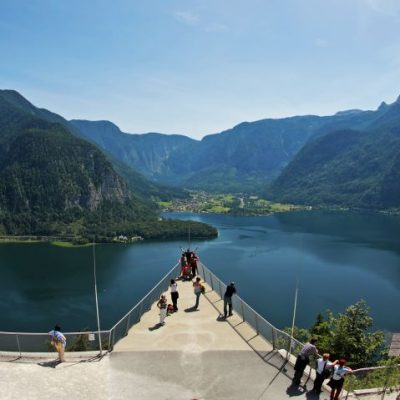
{"x":193,"y":265}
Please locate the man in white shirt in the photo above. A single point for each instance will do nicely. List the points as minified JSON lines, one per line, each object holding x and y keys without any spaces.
{"x":324,"y":367}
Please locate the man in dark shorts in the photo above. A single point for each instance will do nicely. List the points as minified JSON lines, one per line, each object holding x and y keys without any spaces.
{"x":230,"y":291}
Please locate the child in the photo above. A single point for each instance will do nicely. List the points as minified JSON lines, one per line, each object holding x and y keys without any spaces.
{"x":162,"y":305}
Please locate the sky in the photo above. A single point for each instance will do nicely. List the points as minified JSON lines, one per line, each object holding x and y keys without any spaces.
{"x":197,"y":67}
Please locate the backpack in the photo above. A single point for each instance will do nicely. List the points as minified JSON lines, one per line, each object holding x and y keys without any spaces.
{"x":202,"y":289}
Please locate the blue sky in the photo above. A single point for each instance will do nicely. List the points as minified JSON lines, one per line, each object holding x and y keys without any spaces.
{"x":199,"y":67}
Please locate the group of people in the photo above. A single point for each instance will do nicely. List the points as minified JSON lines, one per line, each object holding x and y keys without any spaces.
{"x":190,"y":258}
{"x":188,"y":262}
{"x":335,"y":370}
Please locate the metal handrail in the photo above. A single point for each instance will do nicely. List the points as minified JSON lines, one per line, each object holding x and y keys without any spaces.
{"x":144,"y":298}
{"x":110,"y":332}
{"x":46,"y":333}
{"x":249,"y":307}
{"x":214,"y":279}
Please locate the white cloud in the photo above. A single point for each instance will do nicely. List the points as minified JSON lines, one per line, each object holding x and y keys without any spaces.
{"x":321,"y":42}
{"x":187,"y":17}
{"x":387,"y":7}
{"x":193,"y":19}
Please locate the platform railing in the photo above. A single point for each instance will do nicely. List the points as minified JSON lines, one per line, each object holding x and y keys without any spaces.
{"x":381,"y":381}
{"x":32,"y":342}
{"x":121,"y":328}
{"x":378,"y":381}
{"x":276,"y":337}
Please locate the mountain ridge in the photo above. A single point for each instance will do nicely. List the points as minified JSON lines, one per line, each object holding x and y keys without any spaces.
{"x":251,"y":153}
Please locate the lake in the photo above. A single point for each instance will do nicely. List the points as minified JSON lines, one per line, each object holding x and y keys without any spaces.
{"x":337,"y":258}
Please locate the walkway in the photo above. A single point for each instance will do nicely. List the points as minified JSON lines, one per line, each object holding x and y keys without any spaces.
{"x":194,"y":356}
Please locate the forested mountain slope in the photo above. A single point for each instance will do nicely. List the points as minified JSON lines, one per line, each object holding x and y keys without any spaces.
{"x":242,"y":158}
{"x":53,"y":183}
{"x":347,"y":167}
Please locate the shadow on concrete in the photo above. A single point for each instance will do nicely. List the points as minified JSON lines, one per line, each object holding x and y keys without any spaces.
{"x":15,"y":359}
{"x":312,"y":395}
{"x":191,"y":309}
{"x":156,"y":326}
{"x":96,"y":358}
{"x":294,"y":390}
{"x":49,"y":364}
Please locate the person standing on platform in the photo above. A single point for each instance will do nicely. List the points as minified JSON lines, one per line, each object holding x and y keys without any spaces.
{"x":337,"y":380}
{"x":198,"y":288}
{"x":323,"y":371}
{"x":193,"y":265}
{"x":188,"y":255}
{"x":230,"y":291}
{"x":303,"y":359}
{"x":174,"y":294}
{"x":162,"y":305}
{"x":59,"y":342}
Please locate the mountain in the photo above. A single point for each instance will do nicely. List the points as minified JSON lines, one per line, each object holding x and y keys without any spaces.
{"x":136,"y":181}
{"x":351,"y":168}
{"x":243,"y":158}
{"x":53,"y":183}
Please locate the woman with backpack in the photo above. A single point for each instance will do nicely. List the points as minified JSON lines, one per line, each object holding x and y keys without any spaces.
{"x":323,"y":371}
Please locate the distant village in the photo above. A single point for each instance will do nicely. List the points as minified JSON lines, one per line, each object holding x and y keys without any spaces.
{"x":126,"y":239}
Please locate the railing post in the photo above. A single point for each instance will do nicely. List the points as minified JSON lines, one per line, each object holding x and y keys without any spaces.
{"x":109,"y":339}
{"x":113,"y":340}
{"x":127,"y":324}
{"x":220,"y":289}
{"x":19,"y":347}
{"x":257,"y":331}
{"x":386,"y":383}
{"x":273,"y":338}
{"x":350,"y":387}
{"x":242,"y":309}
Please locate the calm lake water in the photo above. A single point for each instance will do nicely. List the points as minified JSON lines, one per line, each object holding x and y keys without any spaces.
{"x":338,"y":259}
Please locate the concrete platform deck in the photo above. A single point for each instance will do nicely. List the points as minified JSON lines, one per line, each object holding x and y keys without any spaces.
{"x":198,"y":356}
{"x":194,"y":356}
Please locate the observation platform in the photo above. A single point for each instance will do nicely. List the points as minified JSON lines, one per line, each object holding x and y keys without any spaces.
{"x":197,"y":355}
{"x":193,"y":356}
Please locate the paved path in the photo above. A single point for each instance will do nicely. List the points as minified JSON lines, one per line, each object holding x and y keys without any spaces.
{"x":194,"y":356}
{"x":197,"y":356}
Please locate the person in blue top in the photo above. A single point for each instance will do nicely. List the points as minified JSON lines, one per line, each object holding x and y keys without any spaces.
{"x":337,"y":380}
{"x":59,"y":342}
